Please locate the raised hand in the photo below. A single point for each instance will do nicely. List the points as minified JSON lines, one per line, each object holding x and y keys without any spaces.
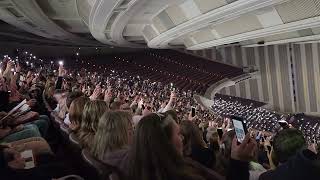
{"x":62,"y":71}
{"x":10,"y":65}
{"x":313,"y":147}
{"x":190,"y":118}
{"x":32,"y":102}
{"x":96,"y":93}
{"x":108,"y":94}
{"x":18,"y":67}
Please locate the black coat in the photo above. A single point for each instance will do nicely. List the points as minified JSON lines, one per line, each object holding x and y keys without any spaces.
{"x":304,"y":166}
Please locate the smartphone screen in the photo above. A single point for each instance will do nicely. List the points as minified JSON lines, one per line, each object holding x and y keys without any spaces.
{"x":258,"y":137}
{"x":240,"y":128}
{"x":283,"y":124}
{"x":220,"y":132}
{"x":193,"y":111}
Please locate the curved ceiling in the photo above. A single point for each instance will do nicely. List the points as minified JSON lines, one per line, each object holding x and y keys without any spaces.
{"x":191,"y":24}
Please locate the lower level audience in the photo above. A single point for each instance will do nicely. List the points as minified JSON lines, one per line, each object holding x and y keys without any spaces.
{"x":137,"y":130}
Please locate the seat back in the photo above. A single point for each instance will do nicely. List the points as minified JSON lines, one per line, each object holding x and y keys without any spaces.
{"x":65,"y":132}
{"x":104,"y":170}
{"x":74,"y":143}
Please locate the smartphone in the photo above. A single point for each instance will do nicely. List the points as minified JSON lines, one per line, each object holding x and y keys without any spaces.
{"x":258,"y":137}
{"x":220,"y":132}
{"x":240,"y":128}
{"x":284,"y":124}
{"x":269,"y":148}
{"x":193,"y":111}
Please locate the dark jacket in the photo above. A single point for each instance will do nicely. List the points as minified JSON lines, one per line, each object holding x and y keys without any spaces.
{"x":304,"y":166}
{"x":238,"y":170}
{"x":205,"y":156}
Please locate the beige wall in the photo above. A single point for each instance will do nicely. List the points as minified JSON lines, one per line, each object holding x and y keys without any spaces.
{"x":290,"y":75}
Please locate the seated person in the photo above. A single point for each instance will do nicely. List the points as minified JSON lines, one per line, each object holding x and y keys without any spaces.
{"x":92,"y":112}
{"x":113,"y":136}
{"x":294,"y":159}
{"x":13,"y":166}
{"x":71,"y":96}
{"x":157,"y":153}
{"x":75,"y":113}
{"x":194,"y":145}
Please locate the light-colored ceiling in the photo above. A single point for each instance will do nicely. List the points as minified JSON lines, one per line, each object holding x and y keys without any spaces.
{"x":193,"y":24}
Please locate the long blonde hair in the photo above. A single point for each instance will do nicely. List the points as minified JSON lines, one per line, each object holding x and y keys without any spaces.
{"x":75,"y":112}
{"x":113,"y":133}
{"x":92,"y":112}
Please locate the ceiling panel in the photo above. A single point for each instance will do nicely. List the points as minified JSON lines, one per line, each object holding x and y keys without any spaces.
{"x":208,"y":5}
{"x":176,"y":14}
{"x":242,"y":24}
{"x":60,"y":8}
{"x":298,"y":9}
{"x":203,"y":35}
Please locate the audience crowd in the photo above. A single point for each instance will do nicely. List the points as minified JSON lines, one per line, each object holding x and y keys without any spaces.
{"x":75,"y":123}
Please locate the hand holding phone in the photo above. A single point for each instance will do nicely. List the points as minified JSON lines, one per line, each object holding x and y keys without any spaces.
{"x":220,"y":132}
{"x":193,"y":111}
{"x":240,"y":128}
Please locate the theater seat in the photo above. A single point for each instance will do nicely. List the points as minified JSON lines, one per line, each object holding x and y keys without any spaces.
{"x":104,"y":171}
{"x":65,"y":132}
{"x":56,"y":121}
{"x":74,"y":143}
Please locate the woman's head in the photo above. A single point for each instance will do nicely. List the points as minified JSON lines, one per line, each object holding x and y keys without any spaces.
{"x":75,"y":112}
{"x":114,"y":132}
{"x":157,"y":129}
{"x":72,"y":96}
{"x":192,"y":137}
{"x":92,"y":112}
{"x":157,"y":148}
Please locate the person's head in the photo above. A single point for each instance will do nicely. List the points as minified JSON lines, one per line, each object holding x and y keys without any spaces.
{"x":92,"y":112}
{"x":156,"y":152}
{"x":226,"y":143}
{"x":173,"y":114}
{"x":191,"y":137}
{"x":75,"y":112}
{"x":59,"y":94}
{"x":287,"y":143}
{"x":72,"y":96}
{"x":114,"y":133}
{"x":34,"y":92}
{"x":116,"y":105}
